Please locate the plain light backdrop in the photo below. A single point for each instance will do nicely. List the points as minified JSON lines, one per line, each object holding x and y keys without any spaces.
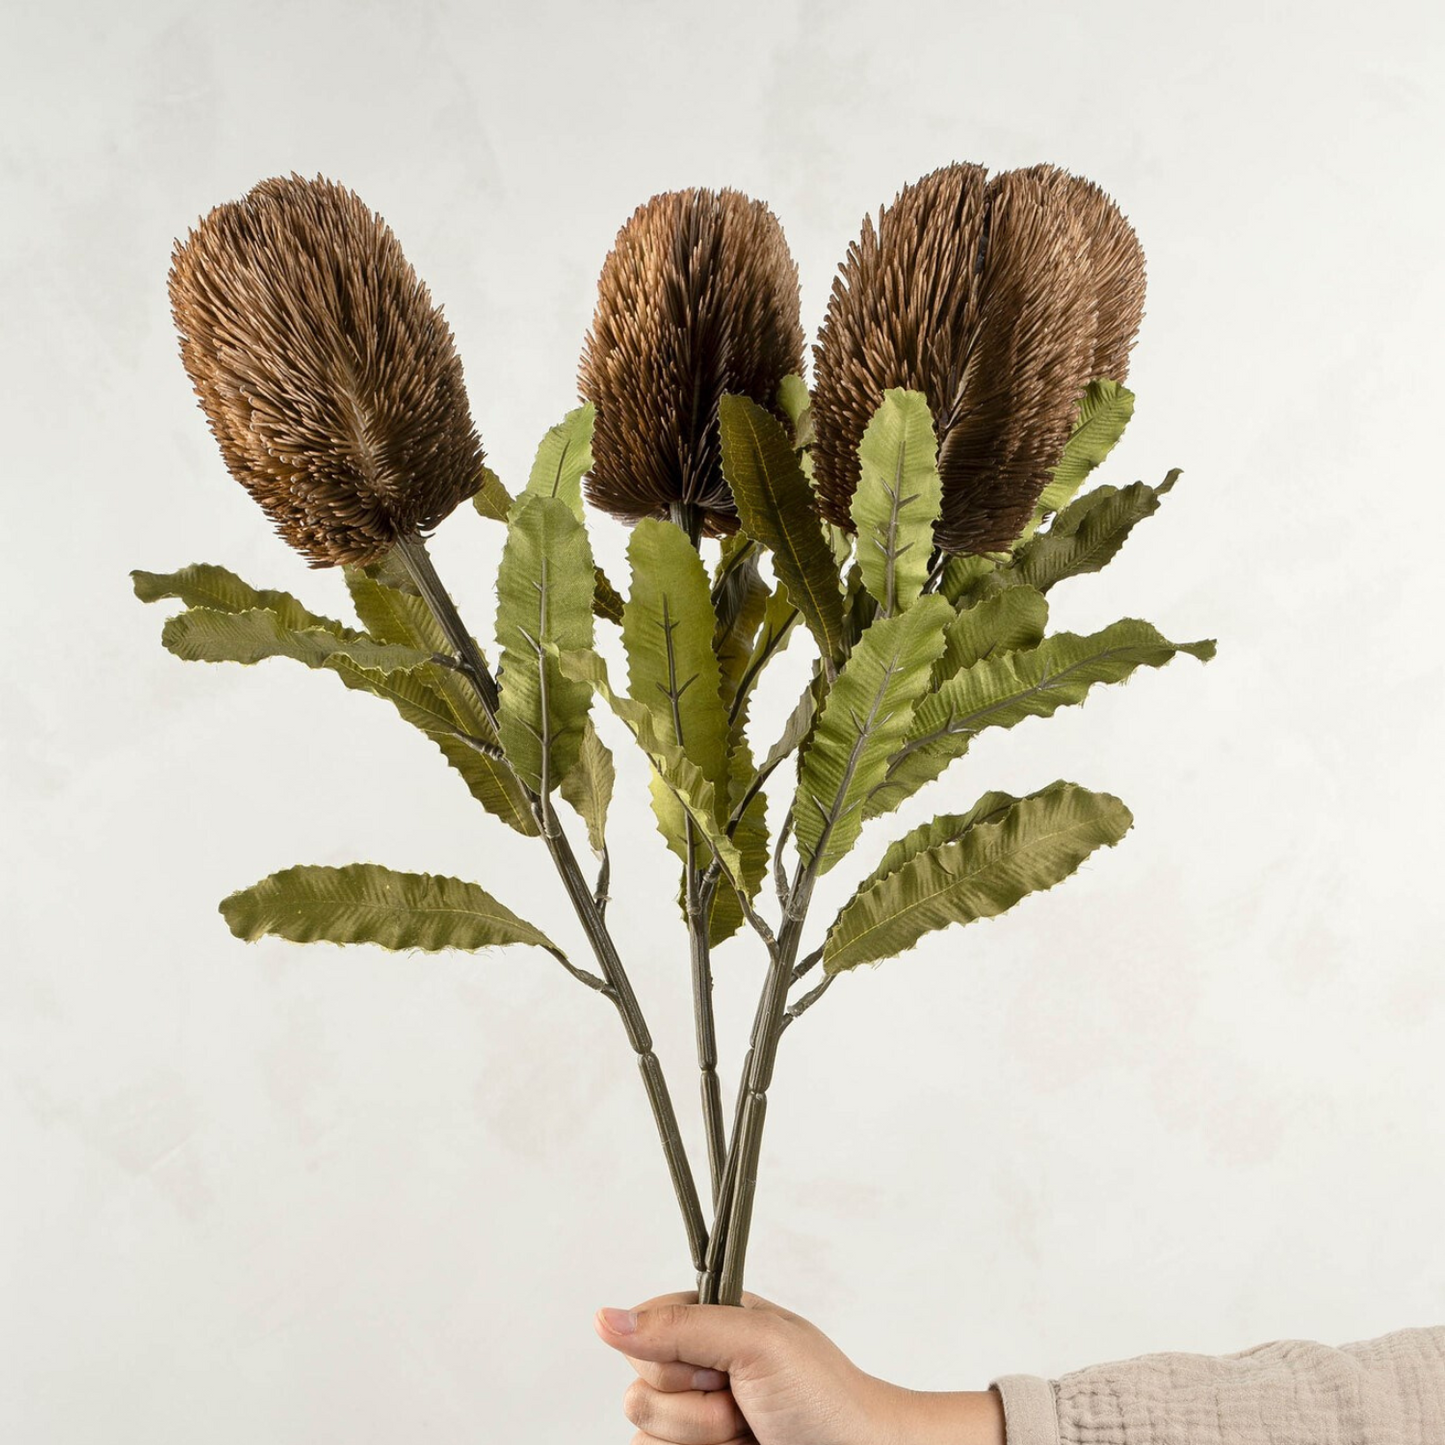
{"x":1190,"y":1100}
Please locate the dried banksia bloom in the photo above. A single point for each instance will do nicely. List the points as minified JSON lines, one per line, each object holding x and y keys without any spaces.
{"x":1000,"y":300}
{"x":328,"y":377}
{"x":697,"y":298}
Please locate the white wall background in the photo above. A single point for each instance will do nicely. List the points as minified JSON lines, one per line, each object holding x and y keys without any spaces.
{"x":1192,"y":1100}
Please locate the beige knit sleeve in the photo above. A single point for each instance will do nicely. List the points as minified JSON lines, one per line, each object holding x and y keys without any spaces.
{"x":1389,"y":1391}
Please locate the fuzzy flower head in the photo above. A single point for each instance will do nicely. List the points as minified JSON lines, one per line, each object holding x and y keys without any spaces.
{"x":1000,"y":300}
{"x":330,"y":380}
{"x":697,"y":298}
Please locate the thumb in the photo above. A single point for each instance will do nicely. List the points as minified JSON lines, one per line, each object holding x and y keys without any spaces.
{"x":718,"y":1337}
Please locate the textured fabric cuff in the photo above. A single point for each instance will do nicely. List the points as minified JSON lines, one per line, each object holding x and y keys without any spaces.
{"x":1030,"y":1415}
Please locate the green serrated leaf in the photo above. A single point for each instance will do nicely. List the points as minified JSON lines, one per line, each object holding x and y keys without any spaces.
{"x":678,"y":772}
{"x":440,"y":705}
{"x":997,"y":859}
{"x":946,"y":828}
{"x":780,"y":619}
{"x":493,"y":501}
{"x":391,"y":609}
{"x":1103,"y":414}
{"x":588,"y":786}
{"x":897,"y":500}
{"x":740,"y":599}
{"x":429,"y":697}
{"x":205,"y":585}
{"x":778,"y":509}
{"x":961,"y":575}
{"x":1002,"y":690}
{"x":366,"y":903}
{"x":439,"y":700}
{"x":667,"y":631}
{"x":1010,"y":621}
{"x":564,"y":457}
{"x":751,"y":839}
{"x":865,"y":717}
{"x":544,"y":604}
{"x":1084,"y":537}
{"x":202,"y":634}
{"x":799,"y":725}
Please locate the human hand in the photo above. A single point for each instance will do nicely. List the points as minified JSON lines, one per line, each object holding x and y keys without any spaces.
{"x":722,"y":1375}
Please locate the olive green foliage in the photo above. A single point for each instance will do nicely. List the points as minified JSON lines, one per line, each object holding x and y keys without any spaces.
{"x":912,"y":655}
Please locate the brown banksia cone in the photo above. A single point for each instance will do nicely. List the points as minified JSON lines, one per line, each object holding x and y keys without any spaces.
{"x":1000,"y":300}
{"x":328,"y":377}
{"x":697,"y":298}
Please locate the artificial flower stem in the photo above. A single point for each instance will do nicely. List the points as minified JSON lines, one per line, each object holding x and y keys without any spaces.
{"x":413,"y":552}
{"x":419,"y":567}
{"x":698,"y":897}
{"x":762,"y":1055}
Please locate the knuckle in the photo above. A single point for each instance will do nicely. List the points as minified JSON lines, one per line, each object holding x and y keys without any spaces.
{"x":674,"y":1378}
{"x":724,"y":1419}
{"x":637,"y":1403}
{"x":661,"y":1301}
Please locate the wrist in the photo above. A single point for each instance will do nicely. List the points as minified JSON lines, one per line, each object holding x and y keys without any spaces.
{"x":937,"y":1417}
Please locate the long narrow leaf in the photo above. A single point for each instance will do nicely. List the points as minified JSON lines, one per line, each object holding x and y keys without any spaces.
{"x":564,"y":457}
{"x":865,"y":717}
{"x":683,"y":778}
{"x":1103,"y":414}
{"x":493,"y":501}
{"x":667,"y":631}
{"x":366,"y":903}
{"x":1085,"y":537}
{"x":1009,"y":621}
{"x":391,"y":609}
{"x":751,"y":839}
{"x":780,"y":619}
{"x":1001,"y":691}
{"x":428,"y":696}
{"x":999,"y":858}
{"x":777,"y":508}
{"x":424,"y":698}
{"x":588,"y":786}
{"x":544,"y":603}
{"x":205,"y":585}
{"x":438,"y":699}
{"x":740,"y":597}
{"x":898,"y":499}
{"x":202,"y":634}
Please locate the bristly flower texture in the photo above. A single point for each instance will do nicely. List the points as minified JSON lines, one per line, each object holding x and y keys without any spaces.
{"x":697,"y":298}
{"x":328,"y":377}
{"x":1000,"y":300}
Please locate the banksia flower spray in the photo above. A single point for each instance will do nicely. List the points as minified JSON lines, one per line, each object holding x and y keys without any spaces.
{"x":907,"y":522}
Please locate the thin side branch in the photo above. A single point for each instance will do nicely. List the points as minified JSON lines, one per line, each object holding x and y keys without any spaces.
{"x":807,"y":1000}
{"x":808,"y":964}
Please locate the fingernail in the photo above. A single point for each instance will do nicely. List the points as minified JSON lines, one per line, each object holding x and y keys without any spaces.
{"x":620,"y":1322}
{"x":709,"y":1380}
